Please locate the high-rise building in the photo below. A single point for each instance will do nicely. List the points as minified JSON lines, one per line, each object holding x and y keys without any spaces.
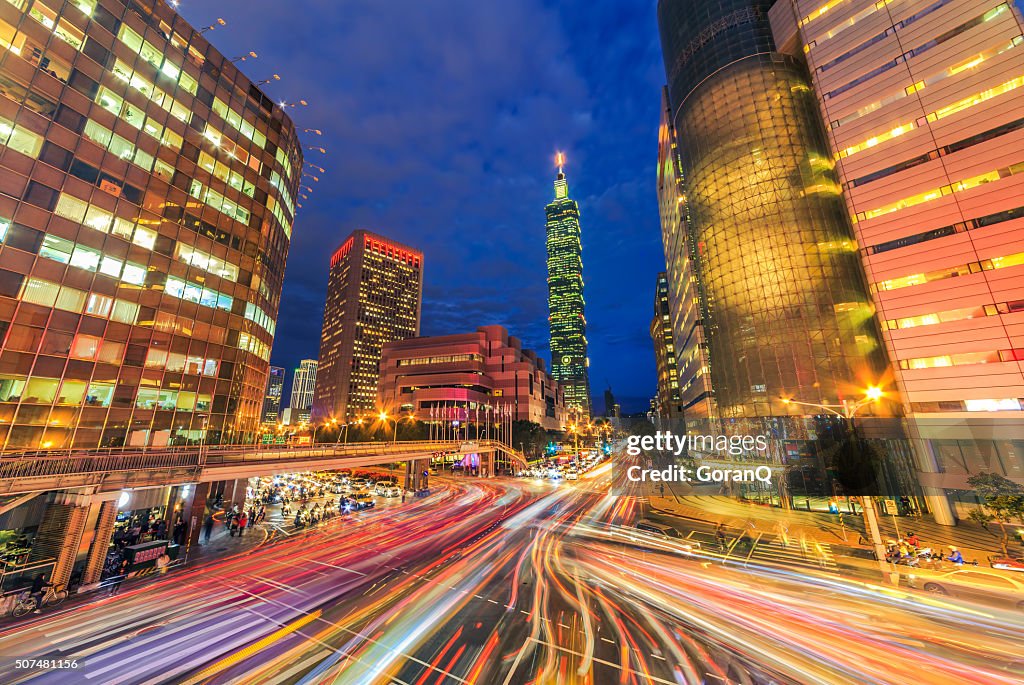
{"x":568,"y":323}
{"x":272,"y":397}
{"x":467,"y":377}
{"x":303,"y":386}
{"x":787,"y":310}
{"x":374,"y":296}
{"x":146,"y":205}
{"x":670,"y":406}
{"x":686,"y":320}
{"x":922,"y":102}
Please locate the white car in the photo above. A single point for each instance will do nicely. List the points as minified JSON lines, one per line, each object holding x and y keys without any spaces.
{"x":388,"y":490}
{"x":572,"y":475}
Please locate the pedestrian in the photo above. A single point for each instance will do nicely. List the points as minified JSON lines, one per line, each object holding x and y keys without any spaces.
{"x":912,"y":540}
{"x":207,"y":527}
{"x":160,"y":530}
{"x":720,"y":536}
{"x":403,"y":495}
{"x":119,"y":575}
{"x":233,"y":526}
{"x":179,"y":532}
{"x":243,"y":520}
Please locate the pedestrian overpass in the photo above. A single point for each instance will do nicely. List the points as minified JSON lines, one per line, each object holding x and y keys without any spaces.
{"x":137,"y":467}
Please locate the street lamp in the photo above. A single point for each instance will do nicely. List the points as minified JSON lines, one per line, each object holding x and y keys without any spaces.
{"x":383,"y":416}
{"x":218,"y":22}
{"x":848,"y":413}
{"x":249,"y":55}
{"x":319,"y":426}
{"x":298,"y":103}
{"x":275,"y":77}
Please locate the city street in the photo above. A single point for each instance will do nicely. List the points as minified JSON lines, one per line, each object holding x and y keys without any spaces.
{"x":507,"y":582}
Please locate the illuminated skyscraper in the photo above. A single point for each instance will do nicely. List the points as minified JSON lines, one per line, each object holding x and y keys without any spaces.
{"x":272,"y":398}
{"x":146,"y":206}
{"x":374,"y":296}
{"x":568,"y":323}
{"x":787,"y":310}
{"x":303,"y":384}
{"x":923,"y":103}
{"x":685,"y":305}
{"x":670,"y":406}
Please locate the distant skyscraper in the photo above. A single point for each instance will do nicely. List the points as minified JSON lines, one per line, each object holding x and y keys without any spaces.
{"x":272,"y":398}
{"x":566,"y":318}
{"x":685,"y":301}
{"x":670,"y":407}
{"x":374,"y":296}
{"x":922,"y":102}
{"x":303,"y":383}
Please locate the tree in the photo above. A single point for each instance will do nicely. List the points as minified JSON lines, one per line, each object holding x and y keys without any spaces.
{"x":1003,"y":499}
{"x":530,"y":436}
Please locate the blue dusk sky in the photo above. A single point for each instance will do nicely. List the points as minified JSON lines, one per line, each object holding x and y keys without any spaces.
{"x":441,"y":121}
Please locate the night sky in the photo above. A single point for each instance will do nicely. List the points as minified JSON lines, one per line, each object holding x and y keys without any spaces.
{"x":441,"y":121}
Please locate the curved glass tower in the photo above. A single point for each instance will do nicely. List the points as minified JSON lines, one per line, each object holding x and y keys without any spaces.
{"x":787,"y":308}
{"x":568,"y":323}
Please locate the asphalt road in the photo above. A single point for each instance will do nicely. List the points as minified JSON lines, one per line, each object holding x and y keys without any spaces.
{"x":501,"y":582}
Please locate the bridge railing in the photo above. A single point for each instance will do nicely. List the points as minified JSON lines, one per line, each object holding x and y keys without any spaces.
{"x":45,"y":463}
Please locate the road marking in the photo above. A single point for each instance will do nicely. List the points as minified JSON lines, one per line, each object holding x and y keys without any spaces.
{"x":658,"y":656}
{"x":341,"y":568}
{"x":645,"y":676}
{"x":611,"y":642}
{"x":243,"y":654}
{"x":492,"y":601}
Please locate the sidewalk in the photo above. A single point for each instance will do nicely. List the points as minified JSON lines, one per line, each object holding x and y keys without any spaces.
{"x":975,"y":542}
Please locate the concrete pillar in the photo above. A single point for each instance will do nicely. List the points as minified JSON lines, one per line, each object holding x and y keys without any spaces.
{"x":939,"y":505}
{"x":195,"y":513}
{"x":60,"y":534}
{"x":414,"y":474}
{"x":100,"y":542}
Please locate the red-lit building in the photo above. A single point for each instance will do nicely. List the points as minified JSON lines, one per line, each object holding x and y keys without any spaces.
{"x":374,"y":296}
{"x":461,"y":375}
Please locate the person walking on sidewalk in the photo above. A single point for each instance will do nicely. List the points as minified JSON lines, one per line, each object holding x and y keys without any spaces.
{"x":720,"y":536}
{"x":243,"y":521}
{"x":119,"y":575}
{"x":207,"y":527}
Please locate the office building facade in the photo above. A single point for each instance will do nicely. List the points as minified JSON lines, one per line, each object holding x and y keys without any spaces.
{"x":686,"y":319}
{"x":566,"y":316}
{"x":469,"y":377}
{"x":272,"y":396}
{"x":146,"y":205}
{"x":303,"y":387}
{"x":670,"y":406}
{"x":922,"y":102}
{"x":787,"y":310}
{"x":374,"y":296}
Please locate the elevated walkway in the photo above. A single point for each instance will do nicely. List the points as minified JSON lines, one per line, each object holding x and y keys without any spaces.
{"x":127,"y":467}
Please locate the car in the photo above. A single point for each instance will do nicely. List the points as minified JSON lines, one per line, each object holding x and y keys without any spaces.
{"x":1006,"y":564}
{"x":981,"y":585}
{"x":572,"y":475}
{"x":363,"y":500}
{"x":357,"y":484}
{"x":659,"y":529}
{"x":386,"y":489}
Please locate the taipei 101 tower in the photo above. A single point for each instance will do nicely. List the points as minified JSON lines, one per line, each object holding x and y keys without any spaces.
{"x":569,"y":362}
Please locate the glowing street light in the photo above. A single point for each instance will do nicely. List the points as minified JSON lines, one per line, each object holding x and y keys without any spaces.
{"x":275,"y":77}
{"x":211,"y":27}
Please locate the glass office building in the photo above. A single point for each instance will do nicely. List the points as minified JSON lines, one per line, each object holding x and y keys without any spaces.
{"x":566,"y":318}
{"x":146,"y":204}
{"x":272,"y":398}
{"x":787,"y":310}
{"x":923,"y":102}
{"x":689,"y":346}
